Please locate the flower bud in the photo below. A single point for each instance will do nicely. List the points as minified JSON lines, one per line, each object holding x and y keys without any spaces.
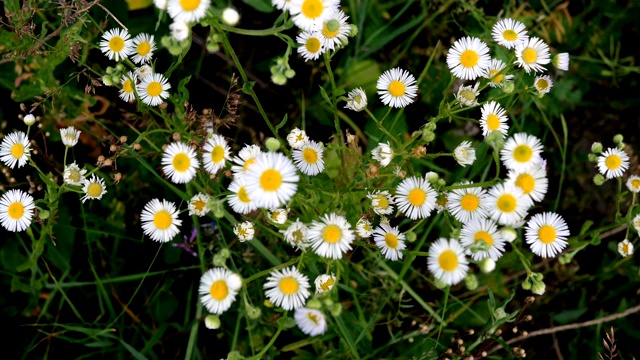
{"x":272,"y":144}
{"x":212,"y":322}
{"x":592,"y":158}
{"x":432,"y":177}
{"x":618,"y":138}
{"x":471,"y":282}
{"x":508,"y":87}
{"x":353,"y":30}
{"x":596,"y":148}
{"x":29,"y":119}
{"x":487,"y":265}
{"x":253,"y":312}
{"x":410,"y":236}
{"x":314,"y":304}
{"x":598,"y":179}
{"x":230,"y":16}
{"x":499,"y":313}
{"x":336,"y":309}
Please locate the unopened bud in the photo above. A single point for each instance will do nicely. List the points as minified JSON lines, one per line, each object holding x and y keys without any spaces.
{"x":272,"y":144}
{"x":596,"y":147}
{"x":508,"y":87}
{"x":212,"y":322}
{"x":598,"y":179}
{"x":29,"y":119}
{"x":618,"y":138}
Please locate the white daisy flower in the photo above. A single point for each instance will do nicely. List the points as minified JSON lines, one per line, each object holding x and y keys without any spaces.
{"x":244,"y":231}
{"x":415,"y":198}
{"x":532,"y":182}
{"x":311,"y":45}
{"x":611,"y":163}
{"x":325,"y":282}
{"x":468,"y":203}
{"x":335,"y":30}
{"x":199,"y":204}
{"x":310,"y":321}
{"x":363,"y":228}
{"x":397,"y":88}
{"x":297,"y":235}
{"x":636,"y":223}
{"x":179,"y":162}
{"x":464,"y":154}
{"x":180,"y":30}
{"x":468,"y":95}
{"x":521,"y":152}
{"x":93,"y":188}
{"x":547,"y":233}
{"x":116,"y":44}
{"x":128,"y":90}
{"x":390,"y":241}
{"x":507,"y":204}
{"x":310,"y":14}
{"x":161,"y":4}
{"x":297,"y":138}
{"x":481,"y":229}
{"x":218,"y":290}
{"x":287,"y":288}
{"x":73,"y":175}
{"x":70,"y":136}
{"x":246,"y":156}
{"x":239,"y":199}
{"x":281,"y":4}
{"x":142,"y":72}
{"x":144,"y":46}
{"x":633,"y":183}
{"x":15,"y":149}
{"x":468,"y":58}
{"x":509,"y":33}
{"x":625,"y":248}
{"x":381,"y":202}
{"x":187,"y":10}
{"x":543,"y":83}
{"x":16,"y":210}
{"x":382,"y":153}
{"x":272,"y":180}
{"x":494,"y":73}
{"x":153,"y":89}
{"x":331,"y":237}
{"x":356,"y":100}
{"x":447,"y":262}
{"x":308,"y":158}
{"x":561,"y":61}
{"x":279,"y":216}
{"x":494,"y":118}
{"x":216,"y":152}
{"x":160,"y":220}
{"x":532,"y":54}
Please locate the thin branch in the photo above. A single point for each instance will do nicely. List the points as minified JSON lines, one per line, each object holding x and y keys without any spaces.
{"x":556,"y":329}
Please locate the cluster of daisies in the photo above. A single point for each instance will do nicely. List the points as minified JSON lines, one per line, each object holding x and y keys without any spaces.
{"x":16,"y":206}
{"x":612,"y":163}
{"x":143,"y":83}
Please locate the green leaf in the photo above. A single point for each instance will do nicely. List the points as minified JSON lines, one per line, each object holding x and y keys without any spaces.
{"x":323,"y":92}
{"x":569,"y":316}
{"x":247,"y":88}
{"x":264,"y":6}
{"x":585,"y":227}
{"x":182,"y":88}
{"x":284,"y":121}
{"x":165,"y":305}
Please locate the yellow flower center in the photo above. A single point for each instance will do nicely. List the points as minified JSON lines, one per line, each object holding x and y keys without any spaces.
{"x":417,"y":197}
{"x":328,"y":33}
{"x":493,"y":122}
{"x":547,"y":234}
{"x":495,"y":79}
{"x":469,"y":58}
{"x":507,"y":203}
{"x":525,"y":182}
{"x":70,"y":137}
{"x":331,"y":233}
{"x":249,"y":162}
{"x":469,"y":202}
{"x":312,"y":8}
{"x":313,"y":317}
{"x":310,"y":155}
{"x":74,"y":175}
{"x":189,"y":5}
{"x":288,"y":285}
{"x":529,"y":56}
{"x":242,"y":195}
{"x":635,"y":183}
{"x":612,"y":162}
{"x":522,"y":153}
{"x":313,"y":45}
{"x":542,"y":84}
{"x":17,"y":150}
{"x":116,"y":44}
{"x":484,"y":236}
{"x":327,"y":284}
{"x":219,"y":290}
{"x":181,"y":162}
{"x":625,"y":248}
{"x":468,"y":94}
{"x":270,"y":180}
{"x":510,"y":35}
{"x":162,"y":220}
{"x":154,"y":89}
{"x":127,"y":86}
{"x":383,"y":203}
{"x":391,"y":240}
{"x":15,"y":210}
{"x":199,"y":204}
{"x":396,"y":88}
{"x":94,"y":190}
{"x":217,"y":154}
{"x":448,"y":260}
{"x":143,"y":48}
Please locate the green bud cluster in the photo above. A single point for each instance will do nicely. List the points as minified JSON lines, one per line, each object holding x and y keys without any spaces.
{"x":281,"y":71}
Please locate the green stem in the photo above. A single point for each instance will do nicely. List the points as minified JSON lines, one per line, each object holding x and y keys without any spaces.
{"x":380,"y":126}
{"x":264,"y":32}
{"x":523,"y":259}
{"x":268,"y":271}
{"x":273,"y":339}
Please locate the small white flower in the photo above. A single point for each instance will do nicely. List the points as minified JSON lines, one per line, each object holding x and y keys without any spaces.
{"x":561,"y":61}
{"x":73,"y":175}
{"x":179,"y":162}
{"x":16,"y":210}
{"x":625,"y":248}
{"x":633,"y":183}
{"x":356,"y":100}
{"x":468,"y":58}
{"x":153,"y":89}
{"x":532,"y":54}
{"x":381,"y":202}
{"x":497,"y":78}
{"x":509,"y":33}
{"x":494,"y":118}
{"x":308,"y":158}
{"x":217,"y":292}
{"x":128,"y":90}
{"x":447,"y":262}
{"x":199,"y":204}
{"x":363,"y":228}
{"x":311,"y":45}
{"x":93,"y":188}
{"x":397,"y":88}
{"x":415,"y":197}
{"x":180,"y":30}
{"x":324,"y":283}
{"x":382,"y":153}
{"x":142,"y":72}
{"x":160,"y":220}
{"x":310,"y":321}
{"x":144,"y":46}
{"x":296,"y":235}
{"x":287,"y":288}
{"x":15,"y":149}
{"x":244,"y":231}
{"x":390,"y":241}
{"x":331,"y":237}
{"x":116,"y":44}
{"x":188,"y":10}
{"x":543,"y":84}
{"x":613,"y":163}
{"x":468,"y":95}
{"x":279,"y":216}
{"x":297,"y":138}
{"x":70,"y":136}
{"x":547,"y":234}
{"x":464,"y":153}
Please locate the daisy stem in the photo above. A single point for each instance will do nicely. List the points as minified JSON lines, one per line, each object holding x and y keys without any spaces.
{"x":417,"y":253}
{"x":444,"y":310}
{"x":379,"y":123}
{"x":523,"y":259}
{"x":466,"y":186}
{"x":268,"y":271}
{"x":618,"y":198}
{"x":334,"y":108}
{"x":282,"y":321}
{"x":265,"y":32}
{"x":66,"y":149}
{"x":633,"y":202}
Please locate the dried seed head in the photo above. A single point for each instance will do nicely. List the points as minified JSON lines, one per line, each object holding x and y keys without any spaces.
{"x":123,"y":139}
{"x":108,"y":162}
{"x":483,"y":354}
{"x":471,"y":332}
{"x":113,"y":148}
{"x":460,"y":341}
{"x":528,"y":318}
{"x":136,"y":146}
{"x":529,"y":300}
{"x":176,"y":136}
{"x":411,"y":340}
{"x":515,"y":329}
{"x":117,"y":177}
{"x":498,"y":332}
{"x":525,"y":333}
{"x":100,"y":160}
